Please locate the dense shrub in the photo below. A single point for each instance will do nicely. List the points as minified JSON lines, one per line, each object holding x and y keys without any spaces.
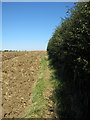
{"x":68,"y":51}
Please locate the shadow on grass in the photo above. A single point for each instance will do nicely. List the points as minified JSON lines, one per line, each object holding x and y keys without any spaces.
{"x":71,"y":102}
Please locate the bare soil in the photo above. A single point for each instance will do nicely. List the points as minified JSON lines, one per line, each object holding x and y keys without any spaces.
{"x":19,"y":72}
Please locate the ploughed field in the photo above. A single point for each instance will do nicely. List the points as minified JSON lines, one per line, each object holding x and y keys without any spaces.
{"x":19,"y":72}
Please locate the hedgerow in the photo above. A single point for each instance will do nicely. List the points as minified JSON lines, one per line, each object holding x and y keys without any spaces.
{"x":68,"y":52}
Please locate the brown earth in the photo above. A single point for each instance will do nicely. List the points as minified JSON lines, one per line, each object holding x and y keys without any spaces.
{"x":19,"y":74}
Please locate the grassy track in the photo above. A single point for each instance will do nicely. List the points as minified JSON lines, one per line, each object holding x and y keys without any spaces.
{"x":43,"y":101}
{"x":39,"y":103}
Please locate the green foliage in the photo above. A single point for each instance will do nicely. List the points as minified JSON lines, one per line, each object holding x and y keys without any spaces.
{"x":68,"y":51}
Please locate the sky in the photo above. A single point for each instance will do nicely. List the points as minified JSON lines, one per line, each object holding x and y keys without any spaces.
{"x":30,"y":25}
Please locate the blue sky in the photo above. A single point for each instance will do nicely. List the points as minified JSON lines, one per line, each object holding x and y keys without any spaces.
{"x":30,"y":25}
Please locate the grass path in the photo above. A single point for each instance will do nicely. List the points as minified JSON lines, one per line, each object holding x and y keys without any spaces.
{"x":42,"y":101}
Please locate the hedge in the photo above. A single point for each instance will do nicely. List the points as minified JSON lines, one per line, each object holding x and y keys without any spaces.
{"x":68,"y":52}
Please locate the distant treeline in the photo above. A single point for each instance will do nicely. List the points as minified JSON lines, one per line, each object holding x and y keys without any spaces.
{"x":69,"y":55}
{"x":9,"y":50}
{"x":19,"y":50}
{"x":12,"y":50}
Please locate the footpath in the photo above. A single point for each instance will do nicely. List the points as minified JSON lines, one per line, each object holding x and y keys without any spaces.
{"x":42,"y":100}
